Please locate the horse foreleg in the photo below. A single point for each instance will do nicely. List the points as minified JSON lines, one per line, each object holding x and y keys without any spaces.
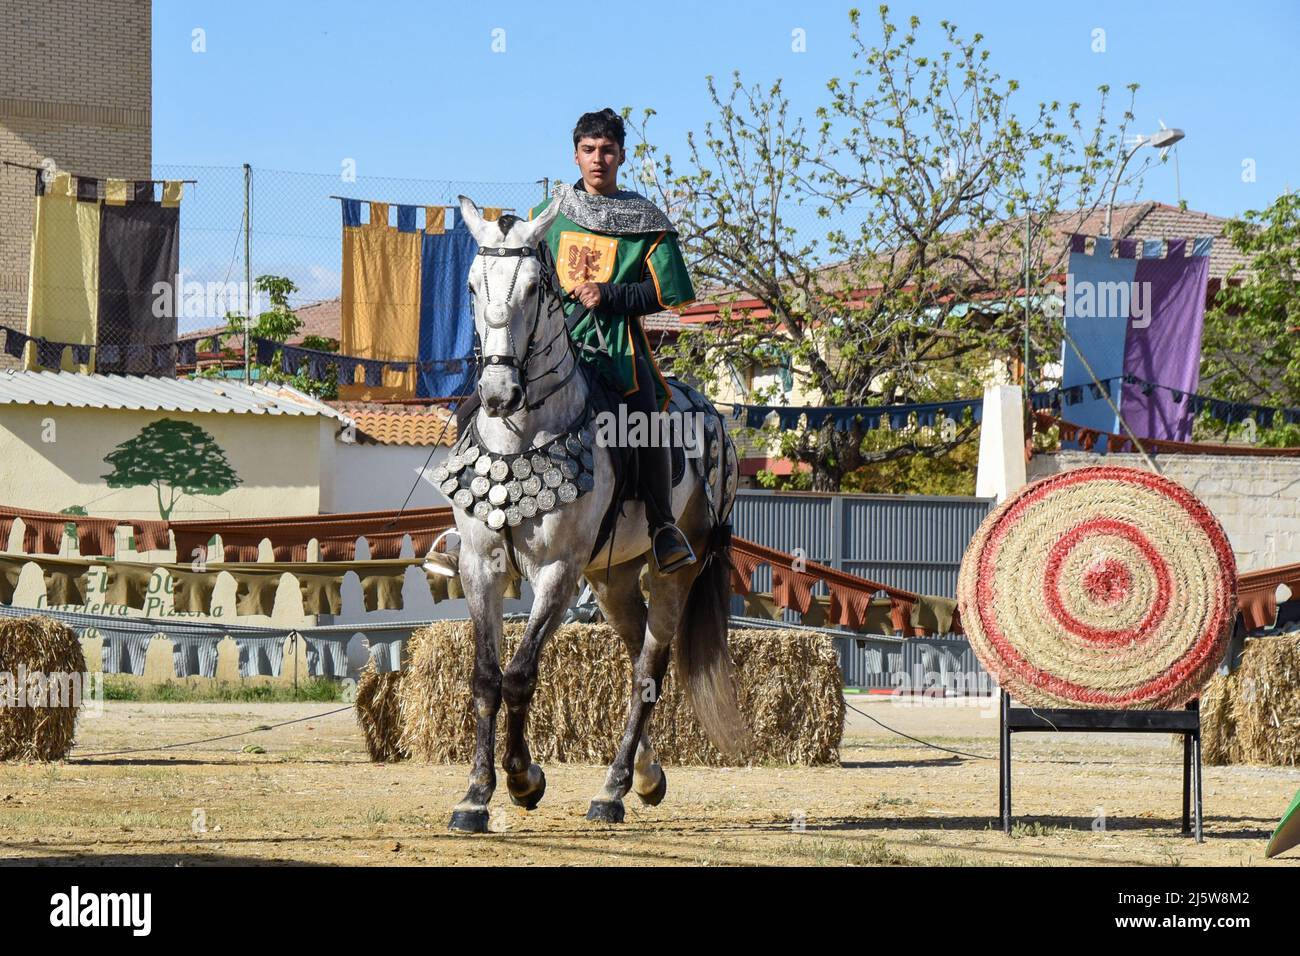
{"x":553,"y":588}
{"x":668,"y":598}
{"x":483,"y":594}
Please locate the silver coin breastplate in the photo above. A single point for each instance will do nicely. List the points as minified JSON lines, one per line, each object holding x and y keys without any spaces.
{"x":504,"y":490}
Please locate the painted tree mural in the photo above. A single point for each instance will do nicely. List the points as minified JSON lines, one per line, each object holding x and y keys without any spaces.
{"x":175,"y":457}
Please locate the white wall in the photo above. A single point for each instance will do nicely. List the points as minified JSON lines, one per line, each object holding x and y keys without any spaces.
{"x":1257,"y":499}
{"x":379,"y":477}
{"x":52,"y":457}
{"x":1002,"y":443}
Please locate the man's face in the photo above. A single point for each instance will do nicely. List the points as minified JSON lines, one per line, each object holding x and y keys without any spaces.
{"x":599,"y":159}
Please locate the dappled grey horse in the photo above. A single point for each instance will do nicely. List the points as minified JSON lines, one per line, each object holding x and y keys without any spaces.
{"x":531,"y":481}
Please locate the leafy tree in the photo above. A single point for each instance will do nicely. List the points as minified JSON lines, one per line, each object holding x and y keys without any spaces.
{"x":1250,"y":348}
{"x":177,"y":456}
{"x":922,"y":176}
{"x":278,"y":324}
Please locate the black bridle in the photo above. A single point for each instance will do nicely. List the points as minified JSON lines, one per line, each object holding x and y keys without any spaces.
{"x":550,"y":292}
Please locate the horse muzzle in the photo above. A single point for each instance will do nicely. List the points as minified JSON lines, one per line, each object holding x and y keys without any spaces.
{"x":501,"y":402}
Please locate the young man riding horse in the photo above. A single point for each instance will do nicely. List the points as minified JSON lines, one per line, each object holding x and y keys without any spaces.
{"x":617,"y":256}
{"x":536,"y":491}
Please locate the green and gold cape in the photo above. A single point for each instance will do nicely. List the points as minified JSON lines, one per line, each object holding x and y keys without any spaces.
{"x":634,"y":240}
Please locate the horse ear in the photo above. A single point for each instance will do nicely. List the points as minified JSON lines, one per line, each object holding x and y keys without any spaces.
{"x":473,"y":218}
{"x":537,"y":227}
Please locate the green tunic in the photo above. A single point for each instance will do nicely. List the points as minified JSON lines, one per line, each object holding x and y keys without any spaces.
{"x":582,"y":255}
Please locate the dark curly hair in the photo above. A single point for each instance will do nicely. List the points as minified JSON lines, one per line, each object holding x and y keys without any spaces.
{"x":605,"y":123}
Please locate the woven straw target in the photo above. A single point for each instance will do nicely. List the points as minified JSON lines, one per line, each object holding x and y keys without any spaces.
{"x":1104,"y":588}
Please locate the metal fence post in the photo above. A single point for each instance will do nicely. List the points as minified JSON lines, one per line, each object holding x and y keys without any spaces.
{"x":248,"y":269}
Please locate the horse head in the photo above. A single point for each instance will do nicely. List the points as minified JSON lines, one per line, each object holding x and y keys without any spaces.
{"x":514,"y":301}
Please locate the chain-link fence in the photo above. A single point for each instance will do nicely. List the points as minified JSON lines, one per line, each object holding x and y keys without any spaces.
{"x":121,"y":309}
{"x":95,"y":319}
{"x":296,"y":224}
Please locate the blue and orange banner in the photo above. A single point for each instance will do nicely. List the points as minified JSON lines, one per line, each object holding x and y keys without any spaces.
{"x":404,"y":298}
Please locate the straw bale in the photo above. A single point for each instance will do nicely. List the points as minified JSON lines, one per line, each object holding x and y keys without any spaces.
{"x":32,"y":646}
{"x":1253,"y":714}
{"x":789,"y":687}
{"x":378,"y":712}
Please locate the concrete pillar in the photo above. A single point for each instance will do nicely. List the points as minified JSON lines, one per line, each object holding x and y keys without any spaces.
{"x":1002,"y":443}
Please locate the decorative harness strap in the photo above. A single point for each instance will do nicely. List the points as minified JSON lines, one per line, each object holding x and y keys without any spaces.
{"x":512,"y":359}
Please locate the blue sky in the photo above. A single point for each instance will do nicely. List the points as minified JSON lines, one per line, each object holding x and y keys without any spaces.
{"x":414,"y":94}
{"x":413,"y":89}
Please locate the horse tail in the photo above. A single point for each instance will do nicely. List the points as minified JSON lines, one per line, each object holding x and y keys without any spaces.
{"x":703,"y":663}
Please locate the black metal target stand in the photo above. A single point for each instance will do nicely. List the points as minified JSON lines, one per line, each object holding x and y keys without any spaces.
{"x":1186,"y":722}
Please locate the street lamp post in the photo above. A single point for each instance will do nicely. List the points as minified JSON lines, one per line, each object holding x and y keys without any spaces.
{"x":1161,"y":140}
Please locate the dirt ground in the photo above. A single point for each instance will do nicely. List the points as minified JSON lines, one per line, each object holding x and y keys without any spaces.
{"x":313,"y":797}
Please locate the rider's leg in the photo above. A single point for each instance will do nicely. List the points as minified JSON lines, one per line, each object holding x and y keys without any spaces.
{"x":654,"y":461}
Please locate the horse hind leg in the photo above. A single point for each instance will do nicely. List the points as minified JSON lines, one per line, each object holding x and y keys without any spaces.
{"x":624,"y":608}
{"x":667,"y":601}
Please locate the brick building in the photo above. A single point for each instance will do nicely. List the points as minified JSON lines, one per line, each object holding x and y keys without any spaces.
{"x":75,"y":89}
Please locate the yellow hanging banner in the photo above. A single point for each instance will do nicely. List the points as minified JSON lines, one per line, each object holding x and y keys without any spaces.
{"x":63,"y":286}
{"x":381,"y":303}
{"x":435,"y":220}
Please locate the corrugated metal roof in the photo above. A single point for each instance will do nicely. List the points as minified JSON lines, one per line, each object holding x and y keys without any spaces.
{"x":74,"y":390}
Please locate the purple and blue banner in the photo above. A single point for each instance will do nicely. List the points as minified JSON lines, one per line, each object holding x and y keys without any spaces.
{"x":1139,"y":318}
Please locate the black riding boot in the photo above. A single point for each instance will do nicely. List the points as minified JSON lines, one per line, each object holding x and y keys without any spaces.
{"x":671,"y":549}
{"x":655,"y":468}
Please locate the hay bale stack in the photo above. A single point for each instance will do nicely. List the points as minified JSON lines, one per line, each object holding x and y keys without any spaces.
{"x":789,"y":687}
{"x":1253,"y":714}
{"x":378,"y":712}
{"x":1218,"y":729}
{"x":38,"y":645}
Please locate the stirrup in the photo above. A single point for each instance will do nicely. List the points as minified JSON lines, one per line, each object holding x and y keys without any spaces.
{"x":444,"y":563}
{"x":684,"y":558}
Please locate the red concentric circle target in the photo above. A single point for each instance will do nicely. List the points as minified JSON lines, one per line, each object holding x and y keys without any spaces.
{"x":1103,"y":587}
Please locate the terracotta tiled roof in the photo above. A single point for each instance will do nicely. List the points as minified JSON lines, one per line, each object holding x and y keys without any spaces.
{"x":384,"y":423}
{"x":320,"y":318}
{"x":1140,"y":220}
{"x":1169,"y":222}
{"x":666,"y":321}
{"x":1001,"y":256}
{"x":323,"y":318}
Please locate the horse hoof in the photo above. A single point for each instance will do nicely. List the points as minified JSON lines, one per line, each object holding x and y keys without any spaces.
{"x":533,"y":790}
{"x":605,"y":811}
{"x":656,"y":795}
{"x":469,"y":821}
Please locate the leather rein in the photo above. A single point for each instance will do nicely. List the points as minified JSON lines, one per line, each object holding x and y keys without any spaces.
{"x":550,"y":294}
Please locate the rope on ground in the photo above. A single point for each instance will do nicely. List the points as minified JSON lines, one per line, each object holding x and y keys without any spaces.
{"x":208,"y":740}
{"x":960,"y":753}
